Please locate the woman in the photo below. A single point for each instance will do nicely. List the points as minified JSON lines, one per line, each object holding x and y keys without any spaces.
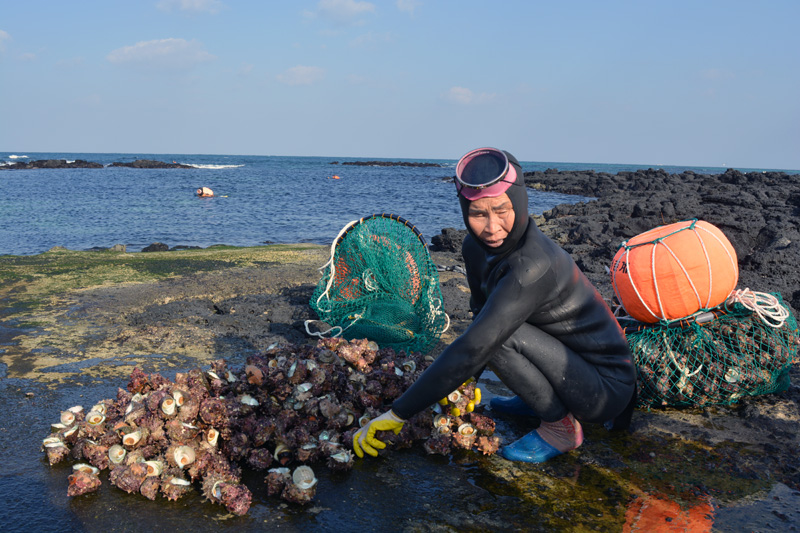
{"x":539,"y":324}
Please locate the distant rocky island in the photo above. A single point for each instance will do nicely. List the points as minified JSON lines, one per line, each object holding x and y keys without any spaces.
{"x":80,"y":163}
{"x":387,"y":164}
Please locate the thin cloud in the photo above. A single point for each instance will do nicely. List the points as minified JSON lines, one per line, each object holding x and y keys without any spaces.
{"x":371,"y":38}
{"x":408,"y":6}
{"x":344,"y":12}
{"x":191,"y":6}
{"x":301,"y":75}
{"x":464,"y":96}
{"x":4,"y":36}
{"x":717,"y":74}
{"x":162,"y":53}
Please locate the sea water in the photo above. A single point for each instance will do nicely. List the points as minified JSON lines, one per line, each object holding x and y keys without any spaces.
{"x":259,"y":199}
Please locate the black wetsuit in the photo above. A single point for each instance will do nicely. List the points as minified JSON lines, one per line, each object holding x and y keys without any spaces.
{"x":539,"y":325}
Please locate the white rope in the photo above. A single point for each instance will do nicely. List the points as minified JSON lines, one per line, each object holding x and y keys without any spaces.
{"x":685,"y":273}
{"x":765,"y":305}
{"x":370,"y":283}
{"x":434,"y":308}
{"x":322,"y":334}
{"x":333,"y":266}
{"x":635,"y":289}
{"x":731,"y":258}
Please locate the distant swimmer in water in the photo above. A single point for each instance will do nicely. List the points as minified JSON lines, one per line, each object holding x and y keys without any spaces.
{"x":334,"y":177}
{"x":205,"y":192}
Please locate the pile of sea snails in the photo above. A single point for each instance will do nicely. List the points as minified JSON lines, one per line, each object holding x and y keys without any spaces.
{"x":286,"y":410}
{"x":718,"y":363}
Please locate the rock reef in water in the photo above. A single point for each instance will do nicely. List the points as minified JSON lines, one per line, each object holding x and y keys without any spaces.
{"x":80,"y":163}
{"x":149,"y":163}
{"x":50,"y":163}
{"x":387,"y":164}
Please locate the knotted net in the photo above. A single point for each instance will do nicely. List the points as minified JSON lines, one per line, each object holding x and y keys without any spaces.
{"x":382,"y":285}
{"x":715,"y":357}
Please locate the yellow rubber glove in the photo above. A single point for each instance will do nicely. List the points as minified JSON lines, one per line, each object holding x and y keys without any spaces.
{"x":365,"y":437}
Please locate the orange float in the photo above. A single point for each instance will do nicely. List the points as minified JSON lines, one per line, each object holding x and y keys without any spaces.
{"x":648,"y":514}
{"x":673,"y":271}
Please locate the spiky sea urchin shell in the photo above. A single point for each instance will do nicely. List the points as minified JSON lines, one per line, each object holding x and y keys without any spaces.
{"x":128,"y":477}
{"x":83,"y":482}
{"x":302,"y":487}
{"x":488,"y":445}
{"x":341,"y":460}
{"x":440,"y":444}
{"x":276,"y":480}
{"x":235,"y":497}
{"x":173,"y":486}
{"x":56,"y":450}
{"x":211,"y":485}
{"x":259,"y":458}
{"x":150,"y":487}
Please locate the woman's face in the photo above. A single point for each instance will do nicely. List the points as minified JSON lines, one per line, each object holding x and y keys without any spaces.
{"x":491,"y":219}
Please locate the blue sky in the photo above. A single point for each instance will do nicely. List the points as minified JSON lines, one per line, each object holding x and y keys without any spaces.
{"x":647,"y":82}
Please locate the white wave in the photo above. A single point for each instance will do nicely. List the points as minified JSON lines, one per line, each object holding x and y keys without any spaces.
{"x":12,"y":156}
{"x":214,"y":167}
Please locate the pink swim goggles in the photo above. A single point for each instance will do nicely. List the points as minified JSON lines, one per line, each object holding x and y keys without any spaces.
{"x":484,"y":173}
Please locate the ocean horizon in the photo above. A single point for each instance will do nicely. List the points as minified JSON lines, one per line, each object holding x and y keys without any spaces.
{"x":259,"y":199}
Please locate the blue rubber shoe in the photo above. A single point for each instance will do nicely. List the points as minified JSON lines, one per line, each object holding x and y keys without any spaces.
{"x":530,"y":449}
{"x":511,"y":406}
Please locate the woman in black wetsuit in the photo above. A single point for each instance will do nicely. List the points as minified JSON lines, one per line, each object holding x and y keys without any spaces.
{"x":538,"y":324}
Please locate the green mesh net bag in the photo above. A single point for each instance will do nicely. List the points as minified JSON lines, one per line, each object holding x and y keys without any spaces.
{"x":715,"y":357}
{"x":382,"y":285}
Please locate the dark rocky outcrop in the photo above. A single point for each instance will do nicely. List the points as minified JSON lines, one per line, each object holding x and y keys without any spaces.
{"x":50,"y":163}
{"x":149,"y":163}
{"x":80,"y":163}
{"x":448,"y":241}
{"x":156,"y":247}
{"x":387,"y":164}
{"x":759,"y":212}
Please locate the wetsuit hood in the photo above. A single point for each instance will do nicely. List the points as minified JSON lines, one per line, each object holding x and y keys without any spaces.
{"x":518,"y":194}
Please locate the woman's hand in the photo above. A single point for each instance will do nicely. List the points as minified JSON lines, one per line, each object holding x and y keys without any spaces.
{"x":365,"y":437}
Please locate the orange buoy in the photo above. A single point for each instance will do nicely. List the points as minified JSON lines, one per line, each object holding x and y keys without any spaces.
{"x":673,"y":271}
{"x":660,"y":513}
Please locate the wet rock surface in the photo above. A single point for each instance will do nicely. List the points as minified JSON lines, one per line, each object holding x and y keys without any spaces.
{"x":739,"y":461}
